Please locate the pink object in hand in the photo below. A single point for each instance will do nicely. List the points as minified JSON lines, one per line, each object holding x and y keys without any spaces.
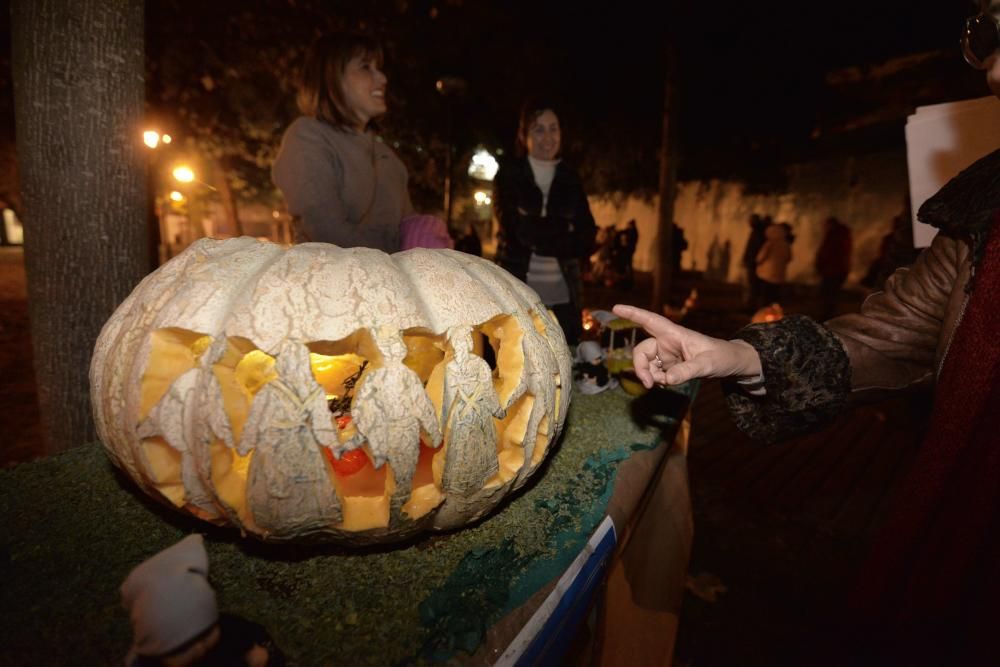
{"x":424,"y":231}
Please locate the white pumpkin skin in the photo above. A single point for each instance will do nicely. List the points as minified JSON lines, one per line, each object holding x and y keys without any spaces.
{"x":210,"y":385}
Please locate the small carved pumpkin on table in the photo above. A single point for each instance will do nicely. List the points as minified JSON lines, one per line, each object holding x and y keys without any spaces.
{"x":323,"y":393}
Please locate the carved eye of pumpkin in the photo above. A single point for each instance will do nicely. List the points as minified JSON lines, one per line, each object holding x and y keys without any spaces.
{"x":321,"y":392}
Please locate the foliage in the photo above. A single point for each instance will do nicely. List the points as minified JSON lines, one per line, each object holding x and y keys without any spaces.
{"x":221,"y":75}
{"x":220,"y":78}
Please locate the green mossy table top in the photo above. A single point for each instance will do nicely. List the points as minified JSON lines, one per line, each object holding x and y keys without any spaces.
{"x":73,"y":527}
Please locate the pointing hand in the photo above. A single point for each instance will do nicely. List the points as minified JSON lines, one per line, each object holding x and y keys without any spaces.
{"x":675,"y":354}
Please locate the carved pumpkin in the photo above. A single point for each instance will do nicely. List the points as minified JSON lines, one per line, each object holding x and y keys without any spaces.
{"x":329,"y":393}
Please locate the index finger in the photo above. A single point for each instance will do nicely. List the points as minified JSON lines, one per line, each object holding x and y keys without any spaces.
{"x":648,"y":320}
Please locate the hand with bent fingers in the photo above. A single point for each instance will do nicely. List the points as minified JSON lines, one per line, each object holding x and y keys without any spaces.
{"x":675,"y":355}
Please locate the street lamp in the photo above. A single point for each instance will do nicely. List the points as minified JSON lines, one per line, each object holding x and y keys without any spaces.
{"x":483,"y":165}
{"x":185,"y":174}
{"x":158,"y":247}
{"x":155,"y":231}
{"x":152,"y":138}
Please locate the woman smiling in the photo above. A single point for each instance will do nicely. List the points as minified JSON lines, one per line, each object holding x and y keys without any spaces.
{"x":545,"y":223}
{"x":340,"y":183}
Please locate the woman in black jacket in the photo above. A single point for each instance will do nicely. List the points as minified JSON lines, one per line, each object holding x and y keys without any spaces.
{"x":545,"y":222}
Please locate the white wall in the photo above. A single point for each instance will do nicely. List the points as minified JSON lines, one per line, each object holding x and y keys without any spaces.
{"x":864,"y":192}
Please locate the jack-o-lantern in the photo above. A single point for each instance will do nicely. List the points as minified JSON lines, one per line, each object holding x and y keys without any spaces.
{"x":330,"y":393}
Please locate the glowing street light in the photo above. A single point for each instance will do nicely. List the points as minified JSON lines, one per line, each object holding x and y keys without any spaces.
{"x":176,"y":196}
{"x":183,"y":173}
{"x":483,"y":165}
{"x":152,"y":138}
{"x":482,"y":198}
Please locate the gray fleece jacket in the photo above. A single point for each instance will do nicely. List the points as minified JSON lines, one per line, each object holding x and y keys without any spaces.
{"x":343,"y":186}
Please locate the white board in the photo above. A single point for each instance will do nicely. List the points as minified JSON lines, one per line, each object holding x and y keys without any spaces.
{"x":942,"y":140}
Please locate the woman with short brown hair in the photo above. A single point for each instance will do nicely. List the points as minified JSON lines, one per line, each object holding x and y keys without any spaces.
{"x":341,"y":183}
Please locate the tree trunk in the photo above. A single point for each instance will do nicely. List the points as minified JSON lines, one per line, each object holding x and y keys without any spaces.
{"x":78,"y":88}
{"x":662,"y":273}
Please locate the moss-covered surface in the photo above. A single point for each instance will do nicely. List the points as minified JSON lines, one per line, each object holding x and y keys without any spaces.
{"x":73,"y":527}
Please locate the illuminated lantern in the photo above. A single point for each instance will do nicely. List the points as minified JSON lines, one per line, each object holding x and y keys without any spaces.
{"x":324,"y":393}
{"x":771,"y":313}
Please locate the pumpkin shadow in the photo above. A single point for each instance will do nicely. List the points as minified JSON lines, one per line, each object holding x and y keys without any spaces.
{"x":166,"y":512}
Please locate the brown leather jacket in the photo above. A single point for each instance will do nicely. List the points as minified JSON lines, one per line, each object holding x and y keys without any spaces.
{"x":902,"y":334}
{"x":899,"y":339}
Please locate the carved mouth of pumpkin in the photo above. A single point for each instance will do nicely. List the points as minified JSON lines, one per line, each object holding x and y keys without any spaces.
{"x":365,"y":491}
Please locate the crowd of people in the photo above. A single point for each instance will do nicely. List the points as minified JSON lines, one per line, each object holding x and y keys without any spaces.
{"x":611,"y":264}
{"x":769,"y":251}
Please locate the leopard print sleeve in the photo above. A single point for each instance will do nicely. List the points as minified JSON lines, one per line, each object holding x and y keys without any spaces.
{"x":807,"y":376}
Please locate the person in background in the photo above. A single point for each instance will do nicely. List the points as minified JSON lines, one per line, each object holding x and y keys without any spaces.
{"x":833,"y":263}
{"x":678,"y":245}
{"x":772,"y":264}
{"x":469,"y":242}
{"x":341,"y":184}
{"x":424,"y":231}
{"x":895,"y":250}
{"x":545,"y":223}
{"x":631,"y":234}
{"x":929,"y":592}
{"x":621,"y":259}
{"x":602,"y":266}
{"x":754,"y":242}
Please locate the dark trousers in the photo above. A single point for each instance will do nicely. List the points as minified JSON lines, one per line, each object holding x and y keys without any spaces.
{"x":829,"y":295}
{"x":570,"y":319}
{"x":769,"y":293}
{"x":753,"y":289}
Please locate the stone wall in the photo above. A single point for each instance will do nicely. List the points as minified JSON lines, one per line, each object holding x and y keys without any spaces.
{"x":865,"y":192}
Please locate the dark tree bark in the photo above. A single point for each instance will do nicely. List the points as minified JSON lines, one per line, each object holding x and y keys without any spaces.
{"x":662,"y":272}
{"x":78,"y":88}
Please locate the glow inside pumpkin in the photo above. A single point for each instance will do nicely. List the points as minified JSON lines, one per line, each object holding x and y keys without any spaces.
{"x":245,"y":369}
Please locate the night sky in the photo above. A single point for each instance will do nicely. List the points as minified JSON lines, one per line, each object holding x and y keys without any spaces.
{"x":745,"y":69}
{"x":749,"y":74}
